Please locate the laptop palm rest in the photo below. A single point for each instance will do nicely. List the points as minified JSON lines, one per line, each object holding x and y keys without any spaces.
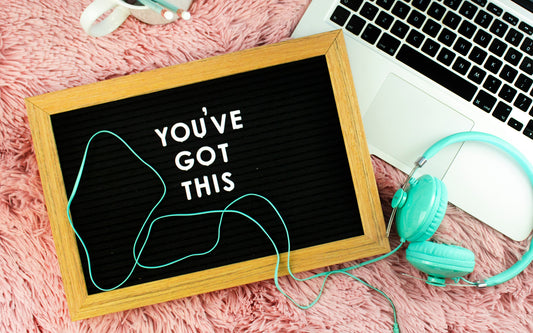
{"x":398,"y":138}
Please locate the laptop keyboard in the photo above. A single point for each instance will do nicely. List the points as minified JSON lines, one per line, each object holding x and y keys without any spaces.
{"x":474,"y":49}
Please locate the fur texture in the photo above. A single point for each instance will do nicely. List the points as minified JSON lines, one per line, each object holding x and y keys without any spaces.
{"x":43,"y":49}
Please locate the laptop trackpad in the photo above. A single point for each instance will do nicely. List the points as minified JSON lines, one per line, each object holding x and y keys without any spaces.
{"x":403,"y":121}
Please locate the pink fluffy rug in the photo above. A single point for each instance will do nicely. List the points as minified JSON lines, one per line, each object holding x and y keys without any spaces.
{"x":43,"y":49}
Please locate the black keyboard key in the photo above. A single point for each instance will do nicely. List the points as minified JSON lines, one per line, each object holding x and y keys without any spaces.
{"x":482,"y":38}
{"x":415,"y":38}
{"x":462,"y":46}
{"x":416,"y":19}
{"x":498,"y":28}
{"x":436,"y":11}
{"x":436,"y":72}
{"x":511,"y":19}
{"x":467,"y":29}
{"x":526,"y":28}
{"x":384,"y":20}
{"x":493,"y":64}
{"x":492,"y":84}
{"x":507,"y":93}
{"x":399,"y":29}
{"x":494,"y":9}
{"x":400,"y":9}
{"x":508,"y":73}
{"x":502,"y":111}
{"x":385,"y":4}
{"x":477,"y":74}
{"x":446,"y":56}
{"x":515,"y":124}
{"x":527,"y":65}
{"x":431,"y":28}
{"x":370,"y":34}
{"x":451,"y":20}
{"x":468,"y":9}
{"x":369,"y":11}
{"x":340,"y":15}
{"x":523,"y":102}
{"x":514,"y":37}
{"x":477,"y":55}
{"x":483,"y":19}
{"x":430,"y":47}
{"x":484,"y":101}
{"x":523,"y":83}
{"x":352,"y":4}
{"x":453,"y":4}
{"x":513,"y":56}
{"x":388,"y":44}
{"x":461,"y":65}
{"x":497,"y":47}
{"x":527,"y":46}
{"x":447,"y":37}
{"x":528,"y":131}
{"x":355,"y":25}
{"x":422,"y":5}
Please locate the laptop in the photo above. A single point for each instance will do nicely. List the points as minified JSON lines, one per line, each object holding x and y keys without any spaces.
{"x":425,"y":69}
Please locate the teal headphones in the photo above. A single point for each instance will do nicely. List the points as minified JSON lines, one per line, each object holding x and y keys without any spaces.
{"x":420,"y":205}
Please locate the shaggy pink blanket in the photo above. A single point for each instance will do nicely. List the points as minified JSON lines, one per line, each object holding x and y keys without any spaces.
{"x":43,"y":49}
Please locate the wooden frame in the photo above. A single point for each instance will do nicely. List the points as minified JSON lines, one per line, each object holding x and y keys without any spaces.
{"x":41,"y":108}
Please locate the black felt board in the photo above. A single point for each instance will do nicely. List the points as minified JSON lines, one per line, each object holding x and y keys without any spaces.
{"x":290,"y":149}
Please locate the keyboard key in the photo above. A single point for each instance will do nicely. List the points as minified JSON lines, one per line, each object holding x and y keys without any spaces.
{"x":430,"y":47}
{"x":497,"y":47}
{"x":453,"y":4}
{"x":513,"y":56}
{"x":468,"y":9}
{"x":436,"y":72}
{"x":388,"y":44}
{"x":431,"y":28}
{"x":477,"y":55}
{"x":523,"y":83}
{"x":355,"y":25}
{"x":527,"y":46}
{"x":515,"y":124}
{"x":492,"y":84}
{"x":446,"y":56}
{"x":507,"y":93}
{"x":462,"y":46}
{"x":369,"y":11}
{"x":494,"y":9}
{"x":482,"y":38}
{"x":523,"y":102}
{"x":483,"y":19}
{"x":527,"y":65}
{"x":526,"y":28}
{"x":384,"y":20}
{"x":502,"y":111}
{"x":447,"y":37}
{"x":385,"y":4}
{"x":528,"y":131}
{"x":481,"y":3}
{"x":416,"y":19}
{"x":514,"y":37}
{"x":511,"y":19}
{"x":467,"y":29}
{"x":399,"y":29}
{"x":370,"y":34}
{"x":498,"y":28}
{"x":461,"y":65}
{"x":415,"y":38}
{"x":352,"y":4}
{"x":340,"y":15}
{"x":477,"y":74}
{"x":508,"y":73}
{"x":422,"y":5}
{"x":493,"y":64}
{"x":484,"y":101}
{"x":451,"y":20}
{"x":436,"y":11}
{"x":400,"y":9}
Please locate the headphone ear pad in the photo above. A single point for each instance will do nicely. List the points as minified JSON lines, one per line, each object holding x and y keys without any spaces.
{"x":441,"y":260}
{"x":421,"y":214}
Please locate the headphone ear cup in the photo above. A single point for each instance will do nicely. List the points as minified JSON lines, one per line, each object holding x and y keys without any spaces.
{"x":422,"y":210}
{"x":441,"y":260}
